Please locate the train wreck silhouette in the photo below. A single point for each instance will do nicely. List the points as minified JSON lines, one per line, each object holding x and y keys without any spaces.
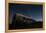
{"x":21,"y":21}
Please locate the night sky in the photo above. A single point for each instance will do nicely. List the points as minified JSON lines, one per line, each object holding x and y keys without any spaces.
{"x":31,"y":10}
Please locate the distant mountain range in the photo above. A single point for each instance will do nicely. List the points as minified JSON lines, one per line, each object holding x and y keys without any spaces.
{"x":26,"y":17}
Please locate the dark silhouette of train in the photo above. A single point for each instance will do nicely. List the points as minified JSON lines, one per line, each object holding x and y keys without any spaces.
{"x":21,"y":21}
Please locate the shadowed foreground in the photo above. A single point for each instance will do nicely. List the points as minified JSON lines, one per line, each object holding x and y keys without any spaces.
{"x":26,"y":26}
